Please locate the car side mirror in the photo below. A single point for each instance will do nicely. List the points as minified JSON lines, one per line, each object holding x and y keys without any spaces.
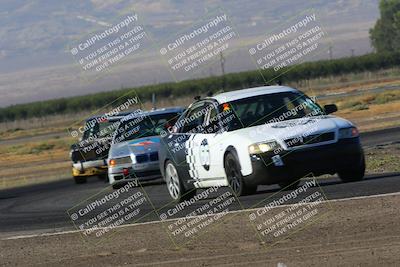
{"x":330,"y":108}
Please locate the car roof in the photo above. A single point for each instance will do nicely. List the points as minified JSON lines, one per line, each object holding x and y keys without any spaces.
{"x":121,"y":115}
{"x":111,"y":117}
{"x":136,"y":114}
{"x":250,"y":92}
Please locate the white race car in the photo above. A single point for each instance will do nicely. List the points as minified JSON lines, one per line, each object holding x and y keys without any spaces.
{"x":264,"y":135}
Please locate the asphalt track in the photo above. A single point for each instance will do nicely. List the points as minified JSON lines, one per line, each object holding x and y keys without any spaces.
{"x":44,"y":207}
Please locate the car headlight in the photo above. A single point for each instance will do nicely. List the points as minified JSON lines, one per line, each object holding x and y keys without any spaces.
{"x":348,"y":132}
{"x":263,"y":147}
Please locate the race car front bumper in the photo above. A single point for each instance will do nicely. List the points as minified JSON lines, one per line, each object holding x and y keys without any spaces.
{"x":270,"y":168}
{"x":89,"y":168}
{"x":129,"y":172}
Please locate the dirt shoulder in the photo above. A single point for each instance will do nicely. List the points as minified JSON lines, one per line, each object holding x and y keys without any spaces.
{"x":362,"y":232}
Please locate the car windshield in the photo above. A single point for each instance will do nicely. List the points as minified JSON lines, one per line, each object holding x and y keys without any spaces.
{"x":97,"y":129}
{"x":271,"y":108}
{"x":144,"y":126}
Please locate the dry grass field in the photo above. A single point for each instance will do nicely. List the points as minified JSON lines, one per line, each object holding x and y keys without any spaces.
{"x":34,"y":162}
{"x":36,"y":150}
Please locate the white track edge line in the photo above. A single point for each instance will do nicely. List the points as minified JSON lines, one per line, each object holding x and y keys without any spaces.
{"x":234,"y":211}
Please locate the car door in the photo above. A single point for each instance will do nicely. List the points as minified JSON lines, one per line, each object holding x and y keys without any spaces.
{"x":208,"y":149}
{"x":180,"y":143}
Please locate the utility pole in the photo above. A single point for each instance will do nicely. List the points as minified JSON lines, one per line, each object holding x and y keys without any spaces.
{"x":153,"y":100}
{"x":330,"y":52}
{"x":352,"y":52}
{"x":222,"y":59}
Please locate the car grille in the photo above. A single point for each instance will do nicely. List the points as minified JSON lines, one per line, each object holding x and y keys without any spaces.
{"x":153,"y":156}
{"x":123,"y":160}
{"x":118,"y":177}
{"x":310,"y":139}
{"x":141,"y":158}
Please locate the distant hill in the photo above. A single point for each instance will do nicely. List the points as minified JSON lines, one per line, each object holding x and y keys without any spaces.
{"x":35,"y":35}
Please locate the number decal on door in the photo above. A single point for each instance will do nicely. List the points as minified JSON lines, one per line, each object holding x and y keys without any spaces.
{"x":205,"y":154}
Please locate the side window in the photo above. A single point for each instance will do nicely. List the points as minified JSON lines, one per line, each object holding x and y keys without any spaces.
{"x":193,"y":121}
{"x":288,"y":103}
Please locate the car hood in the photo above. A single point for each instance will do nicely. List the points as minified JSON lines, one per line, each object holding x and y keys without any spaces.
{"x":88,"y":150}
{"x":283,"y":130}
{"x":136,"y":147}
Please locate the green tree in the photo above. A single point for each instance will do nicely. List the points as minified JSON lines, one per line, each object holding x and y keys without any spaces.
{"x":385,"y":35}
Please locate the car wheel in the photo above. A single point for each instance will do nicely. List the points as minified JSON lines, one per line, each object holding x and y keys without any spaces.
{"x":289,"y":185}
{"x":175,"y":187}
{"x":79,"y":180}
{"x":235,"y":178}
{"x":356,"y":174}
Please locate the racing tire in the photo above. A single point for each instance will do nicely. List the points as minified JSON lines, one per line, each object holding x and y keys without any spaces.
{"x":353,"y":175}
{"x":235,"y":178}
{"x":80,"y":180}
{"x":174,"y":184}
